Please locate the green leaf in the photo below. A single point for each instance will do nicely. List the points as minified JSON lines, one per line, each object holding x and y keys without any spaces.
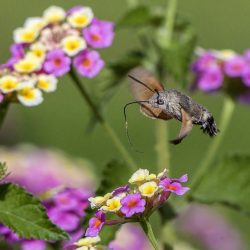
{"x":178,"y":56}
{"x":24,"y":214}
{"x":227,"y":184}
{"x":115,"y":174}
{"x":3,"y":170}
{"x":135,"y":17}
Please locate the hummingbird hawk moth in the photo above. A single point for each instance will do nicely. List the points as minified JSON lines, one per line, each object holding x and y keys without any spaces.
{"x":157,"y":103}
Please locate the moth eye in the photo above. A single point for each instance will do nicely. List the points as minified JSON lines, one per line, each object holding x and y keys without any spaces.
{"x":160,"y":102}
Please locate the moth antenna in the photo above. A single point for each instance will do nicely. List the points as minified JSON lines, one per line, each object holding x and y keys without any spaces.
{"x":142,"y":83}
{"x":126,"y":123}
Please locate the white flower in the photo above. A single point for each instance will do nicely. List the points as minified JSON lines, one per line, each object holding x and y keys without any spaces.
{"x":112,"y":205}
{"x":96,"y":202}
{"x":81,"y":18}
{"x":54,"y":14}
{"x":72,"y":45}
{"x":139,"y":176}
{"x":30,"y":96}
{"x":47,"y":83}
{"x":25,"y":35}
{"x":28,"y":64}
{"x":87,"y":241}
{"x":35,"y":23}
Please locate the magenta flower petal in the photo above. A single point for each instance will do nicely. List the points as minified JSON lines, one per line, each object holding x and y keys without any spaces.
{"x":120,"y":190}
{"x":173,"y":187}
{"x":205,"y":62}
{"x":33,"y":245}
{"x":99,"y":34}
{"x":57,"y":63}
{"x":235,"y":66}
{"x":132,"y":204}
{"x":211,"y":79}
{"x":88,"y":63}
{"x":95,"y":224}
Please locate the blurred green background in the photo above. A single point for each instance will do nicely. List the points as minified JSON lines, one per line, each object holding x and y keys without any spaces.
{"x":60,"y":122}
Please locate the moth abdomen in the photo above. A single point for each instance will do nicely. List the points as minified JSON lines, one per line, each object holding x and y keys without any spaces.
{"x":208,"y":125}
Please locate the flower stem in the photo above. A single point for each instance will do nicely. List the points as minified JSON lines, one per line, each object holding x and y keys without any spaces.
{"x":162,"y":144}
{"x":146,"y":226}
{"x":3,"y":111}
{"x":226,"y":115}
{"x":102,"y":121}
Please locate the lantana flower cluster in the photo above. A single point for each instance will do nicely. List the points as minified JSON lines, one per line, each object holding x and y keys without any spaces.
{"x":223,"y":70}
{"x":134,"y":201}
{"x":46,"y":48}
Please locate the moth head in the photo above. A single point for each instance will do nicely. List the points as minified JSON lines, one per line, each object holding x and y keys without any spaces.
{"x":158,"y":100}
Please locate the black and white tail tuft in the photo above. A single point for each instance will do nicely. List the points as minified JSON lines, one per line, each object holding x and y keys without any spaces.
{"x":209,"y":126}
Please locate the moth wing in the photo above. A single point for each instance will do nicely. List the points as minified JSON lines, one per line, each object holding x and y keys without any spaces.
{"x":186,"y":127}
{"x":142,"y":93}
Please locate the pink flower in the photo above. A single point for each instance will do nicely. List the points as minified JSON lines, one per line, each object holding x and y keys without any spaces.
{"x":173,"y":186}
{"x":99,"y":34}
{"x":88,"y":63}
{"x":33,"y":244}
{"x":246,"y":76}
{"x":95,"y":224}
{"x":235,"y":66}
{"x":211,"y":79}
{"x":57,"y":63}
{"x":132,"y":204}
{"x":204,"y":62}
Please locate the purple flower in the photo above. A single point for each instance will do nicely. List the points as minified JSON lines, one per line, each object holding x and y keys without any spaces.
{"x":33,"y":244}
{"x":246,"y":76}
{"x":211,"y":79}
{"x":173,"y":186}
{"x":204,"y":62}
{"x":120,"y":190}
{"x":57,"y":63}
{"x":99,"y":34}
{"x":235,"y":66}
{"x":68,"y":221}
{"x":95,"y":224}
{"x":132,"y":204}
{"x":17,"y":53}
{"x":65,"y":201}
{"x":88,"y":63}
{"x":131,"y":237}
{"x":183,"y":178}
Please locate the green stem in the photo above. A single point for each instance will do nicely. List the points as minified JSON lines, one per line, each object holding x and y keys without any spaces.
{"x":226,"y":115}
{"x":170,"y":18}
{"x":149,"y":233}
{"x":102,"y":121}
{"x":162,"y":144}
{"x":3,"y":111}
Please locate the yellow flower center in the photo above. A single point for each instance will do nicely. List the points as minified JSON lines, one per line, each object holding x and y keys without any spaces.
{"x":9,"y":84}
{"x":72,"y":45}
{"x":81,"y":20}
{"x":28,"y":36}
{"x":42,"y":84}
{"x":27,"y":93}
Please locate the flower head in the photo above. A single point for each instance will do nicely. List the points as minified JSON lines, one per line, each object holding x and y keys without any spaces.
{"x":88,"y":63}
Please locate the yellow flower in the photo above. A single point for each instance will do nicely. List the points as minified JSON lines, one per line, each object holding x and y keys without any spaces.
{"x":8,"y":84}
{"x":25,"y":35}
{"x":98,"y":201}
{"x":87,"y":241}
{"x":47,"y":83}
{"x":139,"y":176}
{"x":148,"y":189}
{"x":112,"y":205}
{"x":54,"y":14}
{"x":37,"y":50}
{"x":151,"y":177}
{"x":224,"y":54}
{"x":81,"y":18}
{"x":29,"y":96}
{"x":28,"y":65}
{"x":72,"y":45}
